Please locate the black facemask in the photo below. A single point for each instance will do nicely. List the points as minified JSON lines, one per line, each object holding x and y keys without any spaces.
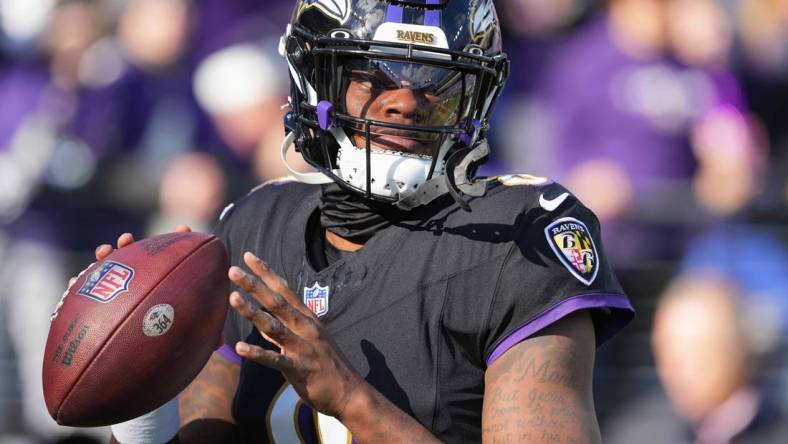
{"x":353,"y":217}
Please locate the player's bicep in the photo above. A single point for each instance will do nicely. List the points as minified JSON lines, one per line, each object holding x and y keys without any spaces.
{"x":539,"y":391}
{"x":206,"y":404}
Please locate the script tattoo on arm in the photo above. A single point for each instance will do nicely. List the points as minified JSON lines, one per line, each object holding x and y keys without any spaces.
{"x":205,"y":405}
{"x":539,"y":391}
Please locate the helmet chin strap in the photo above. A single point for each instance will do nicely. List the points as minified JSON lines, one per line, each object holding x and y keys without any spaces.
{"x":457,"y":179}
{"x":392,"y":174}
{"x":315,"y":178}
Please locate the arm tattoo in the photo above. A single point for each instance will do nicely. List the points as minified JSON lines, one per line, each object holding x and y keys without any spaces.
{"x":540,"y":390}
{"x":211,"y":394}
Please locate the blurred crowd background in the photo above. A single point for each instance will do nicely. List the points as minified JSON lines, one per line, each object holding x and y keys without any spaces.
{"x":669,"y":118}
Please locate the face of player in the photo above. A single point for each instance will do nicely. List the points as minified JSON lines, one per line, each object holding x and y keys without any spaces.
{"x":404,"y":94}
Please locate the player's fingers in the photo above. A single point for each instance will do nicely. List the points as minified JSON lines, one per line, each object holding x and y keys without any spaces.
{"x":242,"y":307}
{"x":275,"y":283}
{"x":103,"y":251}
{"x":267,"y":324}
{"x":125,"y":239}
{"x":272,"y":301}
{"x":182,"y":229}
{"x":72,"y":281}
{"x":268,"y":358}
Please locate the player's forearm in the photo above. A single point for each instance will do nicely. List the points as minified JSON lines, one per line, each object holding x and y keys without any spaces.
{"x":205,"y":405}
{"x":371,"y":418}
{"x":539,"y":391}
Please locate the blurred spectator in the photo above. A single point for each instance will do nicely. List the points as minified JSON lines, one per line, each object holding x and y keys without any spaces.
{"x":534,"y":30}
{"x":204,"y":179}
{"x":153,"y":33}
{"x":38,"y":167}
{"x":540,"y":19}
{"x":223,"y":23}
{"x":754,"y":257}
{"x":631,"y":109}
{"x":243,"y":90}
{"x":763,"y":27}
{"x":138,"y":104}
{"x":21,"y":23}
{"x":74,"y":27}
{"x":708,"y":365}
{"x":762,"y":66}
{"x":698,"y":32}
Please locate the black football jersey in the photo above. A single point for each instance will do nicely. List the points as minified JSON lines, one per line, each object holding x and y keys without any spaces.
{"x":425,"y":306}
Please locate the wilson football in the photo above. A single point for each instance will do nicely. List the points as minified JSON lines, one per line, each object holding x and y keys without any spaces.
{"x":135,"y":329}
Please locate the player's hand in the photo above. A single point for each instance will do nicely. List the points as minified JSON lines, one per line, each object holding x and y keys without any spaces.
{"x":125,"y":239}
{"x":309,"y":358}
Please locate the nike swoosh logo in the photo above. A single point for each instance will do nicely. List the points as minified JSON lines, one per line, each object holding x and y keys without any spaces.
{"x":552,"y":204}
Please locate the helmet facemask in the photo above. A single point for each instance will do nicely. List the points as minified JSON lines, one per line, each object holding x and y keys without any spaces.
{"x":455,"y":91}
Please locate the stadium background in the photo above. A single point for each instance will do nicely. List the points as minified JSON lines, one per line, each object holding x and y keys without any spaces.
{"x":669,"y":118}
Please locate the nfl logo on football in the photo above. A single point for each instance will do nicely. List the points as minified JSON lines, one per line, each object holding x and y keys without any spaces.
{"x":106,"y":283}
{"x":316,"y":299}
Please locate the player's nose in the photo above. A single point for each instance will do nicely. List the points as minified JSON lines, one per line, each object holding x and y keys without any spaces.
{"x":400,"y":105}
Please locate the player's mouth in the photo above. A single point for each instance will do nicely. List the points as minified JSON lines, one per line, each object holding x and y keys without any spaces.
{"x":403,"y":141}
{"x":409,"y":142}
{"x":400,"y":143}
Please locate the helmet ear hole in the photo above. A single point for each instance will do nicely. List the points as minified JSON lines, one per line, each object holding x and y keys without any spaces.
{"x":296,"y":49}
{"x":341,"y":34}
{"x":475,"y":50}
{"x":298,"y":56}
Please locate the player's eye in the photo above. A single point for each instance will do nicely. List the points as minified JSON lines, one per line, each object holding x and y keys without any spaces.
{"x":364,"y":82}
{"x":372,"y":81}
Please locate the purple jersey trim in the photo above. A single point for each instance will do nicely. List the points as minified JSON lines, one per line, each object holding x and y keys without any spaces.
{"x":621,"y":314}
{"x":394,"y":14}
{"x":228,"y":353}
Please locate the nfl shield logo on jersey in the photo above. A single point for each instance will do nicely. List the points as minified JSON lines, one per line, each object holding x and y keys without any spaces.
{"x":106,"y":283}
{"x":316,"y":298}
{"x":572,"y":243}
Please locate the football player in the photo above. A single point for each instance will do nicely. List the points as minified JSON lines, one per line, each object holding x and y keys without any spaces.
{"x":392,"y":295}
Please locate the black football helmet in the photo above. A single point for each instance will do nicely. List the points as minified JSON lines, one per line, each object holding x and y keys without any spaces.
{"x":447,"y":50}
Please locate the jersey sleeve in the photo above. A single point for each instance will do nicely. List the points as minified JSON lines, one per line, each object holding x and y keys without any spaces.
{"x":234,"y":324}
{"x":556,"y":266}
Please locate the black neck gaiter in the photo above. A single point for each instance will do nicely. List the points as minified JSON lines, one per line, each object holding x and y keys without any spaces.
{"x":353,"y":217}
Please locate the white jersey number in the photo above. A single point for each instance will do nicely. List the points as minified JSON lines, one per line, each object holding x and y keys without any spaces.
{"x":286,"y":423}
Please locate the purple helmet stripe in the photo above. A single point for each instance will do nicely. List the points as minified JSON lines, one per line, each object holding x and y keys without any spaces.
{"x":394,"y":14}
{"x":433,"y":17}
